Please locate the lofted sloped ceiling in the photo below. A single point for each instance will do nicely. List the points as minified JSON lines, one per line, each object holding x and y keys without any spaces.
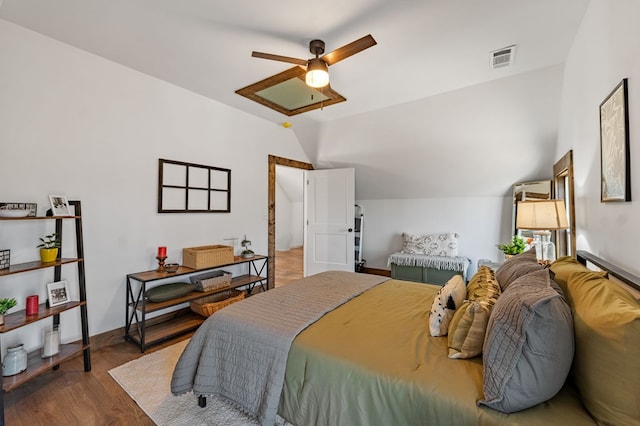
{"x":425,"y":94}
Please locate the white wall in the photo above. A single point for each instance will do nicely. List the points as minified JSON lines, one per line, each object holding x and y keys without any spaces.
{"x":297,"y":224}
{"x":283,"y":219}
{"x":75,"y":124}
{"x":476,"y":141}
{"x":606,"y":50}
{"x":481,"y":222}
{"x":289,"y":207}
{"x":448,"y":162}
{"x":289,"y":221}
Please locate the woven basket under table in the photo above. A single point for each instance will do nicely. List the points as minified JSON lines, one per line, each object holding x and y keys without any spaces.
{"x":210,"y":281}
{"x":206,"y":306}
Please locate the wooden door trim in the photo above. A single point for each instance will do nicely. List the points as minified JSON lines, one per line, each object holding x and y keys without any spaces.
{"x":271,"y":200}
{"x":563,"y":169}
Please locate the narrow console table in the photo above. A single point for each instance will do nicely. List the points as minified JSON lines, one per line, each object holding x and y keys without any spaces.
{"x":145,"y":331}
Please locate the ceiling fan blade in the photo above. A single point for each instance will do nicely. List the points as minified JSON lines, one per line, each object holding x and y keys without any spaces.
{"x":280,"y":58}
{"x":349,"y":49}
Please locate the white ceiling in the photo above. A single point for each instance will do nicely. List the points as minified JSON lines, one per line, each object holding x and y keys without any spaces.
{"x":425,"y":47}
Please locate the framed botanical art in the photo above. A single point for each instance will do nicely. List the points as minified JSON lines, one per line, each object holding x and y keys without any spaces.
{"x":614,"y":146}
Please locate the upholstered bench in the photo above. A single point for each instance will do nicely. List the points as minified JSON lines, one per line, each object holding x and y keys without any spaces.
{"x":424,"y":268}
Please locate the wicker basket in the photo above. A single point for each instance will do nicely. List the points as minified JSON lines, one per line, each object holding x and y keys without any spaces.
{"x":207,"y":256}
{"x":214,"y":280}
{"x":210,"y":304}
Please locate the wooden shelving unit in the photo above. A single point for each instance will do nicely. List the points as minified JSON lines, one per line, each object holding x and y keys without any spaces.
{"x":37,"y":365}
{"x":145,"y":332}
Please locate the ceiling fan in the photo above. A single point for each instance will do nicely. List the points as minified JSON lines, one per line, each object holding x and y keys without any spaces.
{"x":317,"y":68}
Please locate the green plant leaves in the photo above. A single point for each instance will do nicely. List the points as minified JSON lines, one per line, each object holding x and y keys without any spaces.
{"x":49,"y":241}
{"x":515,"y":246}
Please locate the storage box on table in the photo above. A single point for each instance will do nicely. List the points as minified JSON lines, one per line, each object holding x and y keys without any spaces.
{"x":210,"y":304}
{"x":207,"y":256}
{"x":209,"y":281}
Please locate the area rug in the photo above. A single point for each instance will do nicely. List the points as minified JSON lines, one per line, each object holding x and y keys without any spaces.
{"x":147,"y":380}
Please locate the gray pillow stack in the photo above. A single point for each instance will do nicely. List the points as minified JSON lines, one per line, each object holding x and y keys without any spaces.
{"x":529,"y":345}
{"x":517,"y":266}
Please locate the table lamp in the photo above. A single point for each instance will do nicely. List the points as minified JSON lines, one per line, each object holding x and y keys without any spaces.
{"x":542,"y":217}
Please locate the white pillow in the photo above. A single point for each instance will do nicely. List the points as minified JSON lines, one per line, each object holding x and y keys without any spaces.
{"x":434,"y":244}
{"x":412,"y":244}
{"x":449,"y":298}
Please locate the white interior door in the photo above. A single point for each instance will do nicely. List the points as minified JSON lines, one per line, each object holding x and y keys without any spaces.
{"x":329,"y":220}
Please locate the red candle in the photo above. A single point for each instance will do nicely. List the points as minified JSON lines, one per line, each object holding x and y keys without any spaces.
{"x":32,"y":304}
{"x":162,"y":252}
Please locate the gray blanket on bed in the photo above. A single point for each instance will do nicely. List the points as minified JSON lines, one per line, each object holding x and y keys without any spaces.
{"x":240,"y":352}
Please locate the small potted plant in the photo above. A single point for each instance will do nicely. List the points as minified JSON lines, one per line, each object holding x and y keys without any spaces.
{"x":5,"y":305}
{"x":49,"y":246}
{"x":515,"y":246}
{"x":247,"y":252}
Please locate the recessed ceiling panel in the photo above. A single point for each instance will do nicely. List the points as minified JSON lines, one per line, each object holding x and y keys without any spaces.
{"x":288,"y":93}
{"x":292,"y":94}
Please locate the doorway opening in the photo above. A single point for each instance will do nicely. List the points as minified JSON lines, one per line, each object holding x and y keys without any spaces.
{"x":274,"y":164}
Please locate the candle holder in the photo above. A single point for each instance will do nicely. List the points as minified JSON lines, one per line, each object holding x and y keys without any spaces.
{"x":161,"y":260}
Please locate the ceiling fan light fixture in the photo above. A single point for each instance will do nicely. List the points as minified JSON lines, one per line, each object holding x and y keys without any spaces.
{"x":317,"y":73}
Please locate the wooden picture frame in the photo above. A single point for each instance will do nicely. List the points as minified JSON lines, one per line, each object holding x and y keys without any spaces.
{"x":59,"y":205}
{"x":563,"y":189}
{"x":58,"y":293}
{"x":615,"y":174}
{"x":31,"y":208}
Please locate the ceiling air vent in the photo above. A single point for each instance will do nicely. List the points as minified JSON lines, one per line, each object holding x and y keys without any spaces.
{"x":503,"y":57}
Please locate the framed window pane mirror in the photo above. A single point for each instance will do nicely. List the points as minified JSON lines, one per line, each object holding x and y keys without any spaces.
{"x":193,"y":188}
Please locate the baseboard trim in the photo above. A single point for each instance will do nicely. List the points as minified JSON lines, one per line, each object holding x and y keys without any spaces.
{"x":376,"y":271}
{"x":108,"y":338}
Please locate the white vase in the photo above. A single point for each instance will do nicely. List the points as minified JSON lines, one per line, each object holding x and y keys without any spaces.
{"x":15,"y":361}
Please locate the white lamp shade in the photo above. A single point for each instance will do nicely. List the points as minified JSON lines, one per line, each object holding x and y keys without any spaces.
{"x":541,"y":215}
{"x":317,"y":73}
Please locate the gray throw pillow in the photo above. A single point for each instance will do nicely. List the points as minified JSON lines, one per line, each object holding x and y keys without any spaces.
{"x":169,"y":291}
{"x":529,"y":345}
{"x":517,"y":266}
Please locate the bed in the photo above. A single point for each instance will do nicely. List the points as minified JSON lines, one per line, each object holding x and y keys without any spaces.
{"x":367,"y":357}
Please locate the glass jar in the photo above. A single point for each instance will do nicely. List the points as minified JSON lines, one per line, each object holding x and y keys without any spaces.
{"x":15,"y":360}
{"x":548,"y":249}
{"x":51,"y":340}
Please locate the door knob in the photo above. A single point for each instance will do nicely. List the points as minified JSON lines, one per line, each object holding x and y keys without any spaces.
{"x":350,"y":230}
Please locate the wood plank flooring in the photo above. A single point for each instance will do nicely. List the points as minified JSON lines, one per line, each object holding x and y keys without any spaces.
{"x":288,"y":266}
{"x":69,"y":396}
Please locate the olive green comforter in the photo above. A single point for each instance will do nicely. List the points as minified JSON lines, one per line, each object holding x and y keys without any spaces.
{"x":372,"y":361}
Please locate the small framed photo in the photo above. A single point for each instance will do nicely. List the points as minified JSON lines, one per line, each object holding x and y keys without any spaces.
{"x":58,"y":293}
{"x":59,"y":205}
{"x":12,"y":209}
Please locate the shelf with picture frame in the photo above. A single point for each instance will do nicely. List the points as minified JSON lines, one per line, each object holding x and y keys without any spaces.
{"x":15,"y":321}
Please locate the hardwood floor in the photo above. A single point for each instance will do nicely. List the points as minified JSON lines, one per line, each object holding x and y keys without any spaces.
{"x":289,"y":266}
{"x":69,"y":396}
